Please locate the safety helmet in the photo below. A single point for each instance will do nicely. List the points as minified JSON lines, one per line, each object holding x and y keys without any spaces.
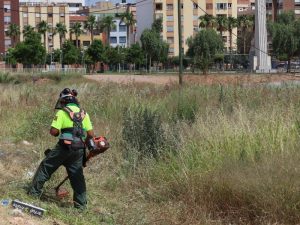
{"x":66,"y":96}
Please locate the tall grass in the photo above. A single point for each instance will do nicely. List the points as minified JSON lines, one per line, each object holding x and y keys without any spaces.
{"x":230,"y":153}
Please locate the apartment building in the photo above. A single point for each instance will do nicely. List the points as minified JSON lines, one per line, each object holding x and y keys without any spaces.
{"x":74,"y":5}
{"x":84,"y":40}
{"x":226,"y":8}
{"x":245,"y":7}
{"x":118,"y":36}
{"x":8,"y":14}
{"x":33,"y":14}
{"x":286,"y":5}
{"x":150,"y":10}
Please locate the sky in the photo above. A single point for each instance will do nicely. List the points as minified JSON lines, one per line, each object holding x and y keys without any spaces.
{"x":89,"y":2}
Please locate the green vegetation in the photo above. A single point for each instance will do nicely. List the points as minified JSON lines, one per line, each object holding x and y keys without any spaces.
{"x":218,"y":155}
{"x":285,"y":37}
{"x":31,"y":51}
{"x":204,"y":47}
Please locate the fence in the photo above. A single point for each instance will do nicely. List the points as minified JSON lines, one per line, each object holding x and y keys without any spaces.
{"x":81,"y":71}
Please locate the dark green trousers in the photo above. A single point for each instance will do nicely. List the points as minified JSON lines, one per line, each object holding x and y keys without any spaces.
{"x":72,"y":161}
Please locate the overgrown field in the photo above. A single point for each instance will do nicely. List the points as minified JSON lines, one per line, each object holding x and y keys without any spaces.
{"x":199,"y":155}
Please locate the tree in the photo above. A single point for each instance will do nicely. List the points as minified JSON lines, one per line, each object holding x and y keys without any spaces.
{"x":95,"y":53}
{"x":245,"y":23}
{"x":13,"y":32}
{"x":129,"y":21}
{"x":221,"y":23}
{"x":206,"y":21}
{"x":107,"y":23}
{"x":31,"y":51}
{"x":151,"y":45}
{"x":61,"y":30}
{"x":54,"y":56}
{"x":231,"y":24}
{"x":157,"y":25}
{"x":134,"y":55}
{"x":43,"y":28}
{"x":70,"y":53}
{"x":204,"y":47}
{"x":76,"y":29}
{"x":115,"y":56}
{"x":10,"y":57}
{"x":285,"y":37}
{"x":90,"y":25}
{"x":27,"y":30}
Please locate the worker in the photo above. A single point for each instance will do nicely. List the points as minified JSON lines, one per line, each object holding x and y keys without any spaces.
{"x":73,"y":126}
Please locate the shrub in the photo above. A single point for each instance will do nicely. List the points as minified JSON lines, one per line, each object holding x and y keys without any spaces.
{"x":142,"y":131}
{"x":36,"y":124}
{"x":7,"y":78}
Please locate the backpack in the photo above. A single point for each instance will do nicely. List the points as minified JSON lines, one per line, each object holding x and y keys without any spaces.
{"x":75,"y":140}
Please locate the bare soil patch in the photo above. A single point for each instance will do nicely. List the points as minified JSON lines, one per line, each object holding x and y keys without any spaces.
{"x":197,"y":79}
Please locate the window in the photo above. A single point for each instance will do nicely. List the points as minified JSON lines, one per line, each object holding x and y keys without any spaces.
{"x":7,"y":42}
{"x":170,"y":40}
{"x":62,"y":14}
{"x":158,"y":6}
{"x":195,"y":17}
{"x":50,"y":15}
{"x":170,"y":28}
{"x":122,"y":40}
{"x":169,"y":6}
{"x":171,"y":50}
{"x":86,"y":43}
{"x":7,"y":19}
{"x":6,"y":7}
{"x":170,"y":18}
{"x":25,"y":15}
{"x":37,"y":15}
{"x":195,"y":6}
{"x":122,"y":28}
{"x":113,"y":40}
{"x":229,"y":5}
{"x":221,"y":6}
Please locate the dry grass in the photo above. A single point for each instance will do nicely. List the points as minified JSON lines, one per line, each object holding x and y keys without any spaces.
{"x":235,"y":160}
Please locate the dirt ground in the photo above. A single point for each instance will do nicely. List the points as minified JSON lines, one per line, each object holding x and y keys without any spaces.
{"x":239,"y":79}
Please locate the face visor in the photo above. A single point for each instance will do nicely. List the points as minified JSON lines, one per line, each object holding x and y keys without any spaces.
{"x":65,"y":97}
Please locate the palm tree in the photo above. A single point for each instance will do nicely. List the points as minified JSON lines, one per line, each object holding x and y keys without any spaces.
{"x":107,"y":23}
{"x":27,"y":30}
{"x":244,"y":23}
{"x":206,"y":21}
{"x":43,"y":28}
{"x":61,"y":29}
{"x":13,"y":32}
{"x":129,"y":21}
{"x":90,"y":25}
{"x":76,"y":29}
{"x":221,"y":23}
{"x":231,"y":24}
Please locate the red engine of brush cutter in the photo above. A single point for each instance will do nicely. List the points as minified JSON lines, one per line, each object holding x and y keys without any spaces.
{"x":97,"y":145}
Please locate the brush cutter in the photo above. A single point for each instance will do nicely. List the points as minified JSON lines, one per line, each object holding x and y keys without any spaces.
{"x":95,"y":146}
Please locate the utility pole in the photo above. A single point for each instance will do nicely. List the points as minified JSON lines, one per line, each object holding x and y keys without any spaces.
{"x":180,"y":41}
